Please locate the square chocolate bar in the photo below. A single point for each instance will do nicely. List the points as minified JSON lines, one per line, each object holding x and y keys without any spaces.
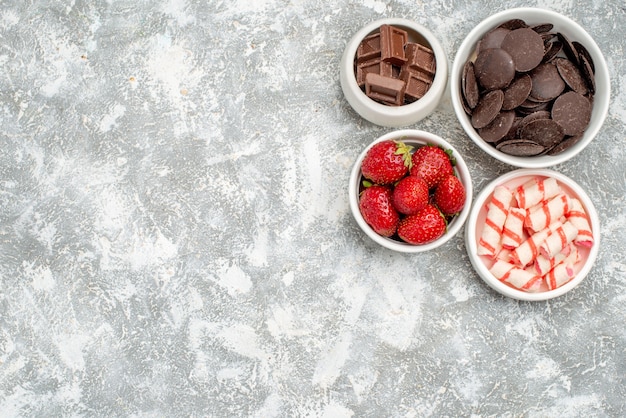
{"x":392,"y":41}
{"x":369,"y":48}
{"x":420,"y":57}
{"x":417,"y":84}
{"x":386,"y":90}
{"x":376,"y":66}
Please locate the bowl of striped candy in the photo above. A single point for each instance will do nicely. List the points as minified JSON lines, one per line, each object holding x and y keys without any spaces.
{"x":532,"y":234}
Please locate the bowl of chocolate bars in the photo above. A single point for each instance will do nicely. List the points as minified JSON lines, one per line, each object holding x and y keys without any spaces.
{"x":393,"y":72}
{"x":530,"y":87}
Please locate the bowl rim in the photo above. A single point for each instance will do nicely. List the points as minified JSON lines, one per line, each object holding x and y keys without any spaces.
{"x":534,"y":15}
{"x":393,"y":116}
{"x":461,"y":169}
{"x":472,"y":247}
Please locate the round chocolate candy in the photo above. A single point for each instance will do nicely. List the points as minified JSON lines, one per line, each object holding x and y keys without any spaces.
{"x":494,"y":68}
{"x":571,"y":75}
{"x":565,"y":144}
{"x":540,"y":114}
{"x":499,"y":127}
{"x":520,"y":147}
{"x":572,"y":111}
{"x":583,"y":52}
{"x":547,"y":83}
{"x":569,"y":48}
{"x":493,"y":38}
{"x":517,"y":92}
{"x":469,"y":85}
{"x":545,"y":132}
{"x":588,"y":74}
{"x":552,"y":50}
{"x":487,"y":109}
{"x":526,"y":48}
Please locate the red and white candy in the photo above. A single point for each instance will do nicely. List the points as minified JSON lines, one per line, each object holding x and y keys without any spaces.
{"x":534,"y":234}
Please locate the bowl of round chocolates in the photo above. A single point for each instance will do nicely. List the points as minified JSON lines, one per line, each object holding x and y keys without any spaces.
{"x":530,"y":87}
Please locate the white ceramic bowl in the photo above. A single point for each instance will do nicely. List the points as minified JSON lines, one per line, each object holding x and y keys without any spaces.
{"x":393,"y":116}
{"x":416,"y":138}
{"x":561,"y":24}
{"x":476,"y":219}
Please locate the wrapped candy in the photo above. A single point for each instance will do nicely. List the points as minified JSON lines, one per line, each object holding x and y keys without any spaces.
{"x":515,"y":276}
{"x":535,"y":191}
{"x":497,"y":210}
{"x":578,"y":217}
{"x":544,"y":264}
{"x":529,"y":249}
{"x":558,"y":239}
{"x":542,"y":215}
{"x":562,"y":272}
{"x":513,"y":231}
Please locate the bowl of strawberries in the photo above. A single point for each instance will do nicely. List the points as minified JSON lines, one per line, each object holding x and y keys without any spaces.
{"x":410,"y":191}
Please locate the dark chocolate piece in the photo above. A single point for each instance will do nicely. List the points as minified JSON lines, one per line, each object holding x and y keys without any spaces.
{"x":513,"y":24}
{"x":493,"y":39}
{"x":545,"y":132}
{"x":487,"y":109}
{"x":520,"y":147}
{"x":494,"y":68}
{"x":571,"y":75}
{"x":568,"y":48}
{"x":572,"y":111}
{"x":552,"y":51}
{"x":580,"y":48}
{"x":543,"y":27}
{"x":386,"y":90}
{"x":588,"y":74}
{"x":517,"y":92}
{"x":547,"y":83}
{"x":392,"y":41}
{"x":469,"y":85}
{"x":499,"y":127}
{"x":565,"y":144}
{"x":525,"y":46}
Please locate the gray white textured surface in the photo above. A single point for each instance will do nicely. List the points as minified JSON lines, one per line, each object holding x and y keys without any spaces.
{"x":175,"y":237}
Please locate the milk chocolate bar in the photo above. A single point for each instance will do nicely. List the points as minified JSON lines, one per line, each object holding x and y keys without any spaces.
{"x":369,"y":48}
{"x":392,"y":41}
{"x":375,"y":65}
{"x":420,"y":58}
{"x":386,"y":90}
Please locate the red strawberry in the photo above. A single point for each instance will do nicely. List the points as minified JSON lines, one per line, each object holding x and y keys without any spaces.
{"x":450,"y":195}
{"x":410,"y":195}
{"x":425,"y":226}
{"x":378,"y":211}
{"x":387,"y":162}
{"x":432,"y":164}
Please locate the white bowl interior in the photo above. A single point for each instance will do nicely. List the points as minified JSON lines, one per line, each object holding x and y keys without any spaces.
{"x":416,"y":138}
{"x":561,"y":24}
{"x":393,"y":116}
{"x":475,"y":223}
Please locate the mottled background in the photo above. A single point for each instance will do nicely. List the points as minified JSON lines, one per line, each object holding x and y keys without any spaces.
{"x":175,"y":237}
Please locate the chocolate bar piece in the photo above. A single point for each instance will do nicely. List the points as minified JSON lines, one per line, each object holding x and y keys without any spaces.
{"x":417,"y":84}
{"x":420,"y":57}
{"x":376,"y":66}
{"x":386,"y":90}
{"x":392,"y":41}
{"x":369,"y":48}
